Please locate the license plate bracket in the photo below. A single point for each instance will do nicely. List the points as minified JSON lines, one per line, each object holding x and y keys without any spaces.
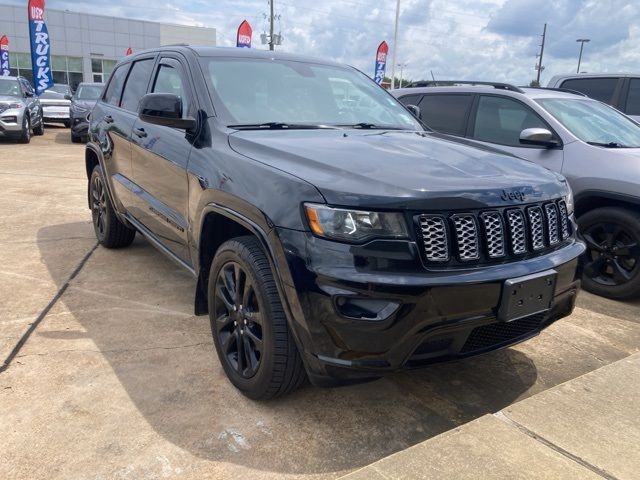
{"x":526,"y":296}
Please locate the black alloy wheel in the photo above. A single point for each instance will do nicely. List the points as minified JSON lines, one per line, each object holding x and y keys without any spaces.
{"x":98,"y":206}
{"x":612,"y":262}
{"x":239,"y":320}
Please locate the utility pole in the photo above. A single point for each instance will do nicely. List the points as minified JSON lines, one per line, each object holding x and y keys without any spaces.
{"x":402,"y":66}
{"x":582,"y":42}
{"x":540,"y":67}
{"x":395,"y":48}
{"x":271,"y":42}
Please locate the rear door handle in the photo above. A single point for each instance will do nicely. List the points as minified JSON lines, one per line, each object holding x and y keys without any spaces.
{"x":139,"y":132}
{"x":108,"y":119}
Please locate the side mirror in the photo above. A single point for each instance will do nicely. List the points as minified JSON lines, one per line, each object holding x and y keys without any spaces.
{"x":28,"y":94}
{"x":415,"y":111}
{"x":538,"y":136}
{"x":68,"y":97}
{"x":164,"y":109}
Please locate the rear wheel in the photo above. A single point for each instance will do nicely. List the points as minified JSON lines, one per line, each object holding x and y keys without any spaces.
{"x":25,"y":136}
{"x":612,"y":261}
{"x":109,"y":229}
{"x":249,"y":327}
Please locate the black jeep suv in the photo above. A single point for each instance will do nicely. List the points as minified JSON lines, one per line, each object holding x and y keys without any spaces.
{"x":329,"y":233}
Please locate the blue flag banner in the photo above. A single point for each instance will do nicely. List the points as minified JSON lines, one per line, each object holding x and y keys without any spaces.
{"x":381,"y":62}
{"x":40,"y":47}
{"x":5,"y":67}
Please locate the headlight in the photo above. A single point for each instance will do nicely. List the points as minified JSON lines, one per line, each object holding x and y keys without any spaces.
{"x":11,"y":106}
{"x":354,"y":225}
{"x":79,"y":110}
{"x":568,"y":198}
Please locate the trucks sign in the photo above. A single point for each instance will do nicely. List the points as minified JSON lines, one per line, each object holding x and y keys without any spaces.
{"x":40,"y":47}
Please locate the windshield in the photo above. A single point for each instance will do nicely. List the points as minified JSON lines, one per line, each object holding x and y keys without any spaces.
{"x":594,"y":122}
{"x":63,"y":89}
{"x":255,"y":91}
{"x":10,"y":88}
{"x":89,"y":92}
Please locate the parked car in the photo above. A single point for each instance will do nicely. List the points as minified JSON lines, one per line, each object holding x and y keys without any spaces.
{"x":62,"y":88}
{"x":620,"y":90}
{"x":82,"y":103}
{"x":593,"y":145}
{"x":56,"y":107}
{"x":334,"y":238}
{"x":20,"y":109}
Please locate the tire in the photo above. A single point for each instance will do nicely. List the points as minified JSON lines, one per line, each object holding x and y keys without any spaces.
{"x":109,"y":230}
{"x":25,"y":135}
{"x":242,"y":325}
{"x":67,"y":124}
{"x":612,"y":262}
{"x":39,"y":130}
{"x":76,"y":138}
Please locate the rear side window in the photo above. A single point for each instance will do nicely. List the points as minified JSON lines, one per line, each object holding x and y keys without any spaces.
{"x":114,"y":90}
{"x":598,"y":88}
{"x":633,"y":98}
{"x":169,"y":80}
{"x":446,"y":113}
{"x":410,"y":99}
{"x":136,"y":86}
{"x":501,"y":120}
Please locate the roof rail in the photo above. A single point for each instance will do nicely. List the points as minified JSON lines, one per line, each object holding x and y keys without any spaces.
{"x":453,"y":83}
{"x":565,"y":90}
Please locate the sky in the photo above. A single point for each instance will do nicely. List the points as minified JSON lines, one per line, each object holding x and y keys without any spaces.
{"x":491,"y":40}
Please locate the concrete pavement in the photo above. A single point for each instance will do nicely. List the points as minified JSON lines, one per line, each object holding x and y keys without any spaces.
{"x":120,"y":380}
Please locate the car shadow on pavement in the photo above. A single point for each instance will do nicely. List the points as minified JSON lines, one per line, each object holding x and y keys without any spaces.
{"x":136,"y":307}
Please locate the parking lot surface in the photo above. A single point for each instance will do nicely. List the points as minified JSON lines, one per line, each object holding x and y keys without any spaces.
{"x":119,"y":379}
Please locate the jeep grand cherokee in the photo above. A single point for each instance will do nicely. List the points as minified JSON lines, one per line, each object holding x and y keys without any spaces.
{"x":329,"y":233}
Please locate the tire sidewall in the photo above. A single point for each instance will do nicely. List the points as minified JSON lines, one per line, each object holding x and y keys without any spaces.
{"x":631,"y":223}
{"x":97,"y":171}
{"x":234,"y":252}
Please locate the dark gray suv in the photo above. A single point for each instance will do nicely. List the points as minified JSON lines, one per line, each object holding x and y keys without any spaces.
{"x":328,"y":233}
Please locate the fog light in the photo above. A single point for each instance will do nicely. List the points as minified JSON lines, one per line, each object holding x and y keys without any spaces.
{"x":365,"y":309}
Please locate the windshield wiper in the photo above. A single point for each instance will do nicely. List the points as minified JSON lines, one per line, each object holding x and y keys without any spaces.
{"x":607,"y":145}
{"x":278,"y":126}
{"x":371,"y":126}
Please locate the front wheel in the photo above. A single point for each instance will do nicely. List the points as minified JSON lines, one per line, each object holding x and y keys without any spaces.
{"x":25,"y":136}
{"x":39,"y":130}
{"x":612,"y":261}
{"x":249,"y":327}
{"x":109,"y":229}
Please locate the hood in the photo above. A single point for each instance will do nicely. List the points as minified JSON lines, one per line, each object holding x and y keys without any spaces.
{"x":55,"y":102}
{"x":399,"y":169}
{"x":86,"y":104}
{"x":11,"y":99}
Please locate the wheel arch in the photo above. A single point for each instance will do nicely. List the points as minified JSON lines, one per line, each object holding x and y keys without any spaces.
{"x":590,"y":200}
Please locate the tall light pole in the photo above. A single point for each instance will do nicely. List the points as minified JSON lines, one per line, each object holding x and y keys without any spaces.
{"x":271,"y":43}
{"x":402,"y":67}
{"x":582,"y":42}
{"x":540,"y":67}
{"x":395,"y":48}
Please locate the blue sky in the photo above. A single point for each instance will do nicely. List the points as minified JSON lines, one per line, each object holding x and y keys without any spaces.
{"x":457,"y":39}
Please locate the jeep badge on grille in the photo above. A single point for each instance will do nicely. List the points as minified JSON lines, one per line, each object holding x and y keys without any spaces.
{"x":513,"y":195}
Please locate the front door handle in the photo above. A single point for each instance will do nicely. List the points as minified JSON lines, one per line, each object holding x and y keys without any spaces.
{"x":108,"y":119}
{"x":139,"y":132}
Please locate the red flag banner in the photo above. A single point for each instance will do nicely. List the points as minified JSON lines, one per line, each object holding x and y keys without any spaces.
{"x":244,"y":35}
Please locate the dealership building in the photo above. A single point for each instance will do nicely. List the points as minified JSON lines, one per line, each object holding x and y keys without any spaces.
{"x":86,"y":47}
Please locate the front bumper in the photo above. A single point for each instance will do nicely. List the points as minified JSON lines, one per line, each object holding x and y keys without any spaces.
{"x":11,"y":122}
{"x":80,"y":124}
{"x":412,"y":316}
{"x":55,"y":114}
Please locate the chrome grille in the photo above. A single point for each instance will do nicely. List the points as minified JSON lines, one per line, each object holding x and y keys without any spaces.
{"x":536,"y":227}
{"x":494,"y":233}
{"x":518,"y":231}
{"x":434,"y":233}
{"x":551,"y":213}
{"x":564,"y":220}
{"x":467,"y":236}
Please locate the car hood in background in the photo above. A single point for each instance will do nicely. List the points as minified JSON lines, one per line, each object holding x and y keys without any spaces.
{"x":10,"y":99}
{"x":397,"y":169}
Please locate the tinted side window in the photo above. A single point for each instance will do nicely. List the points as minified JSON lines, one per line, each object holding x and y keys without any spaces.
{"x":168,"y":80}
{"x":633,"y":98}
{"x":136,"y":86}
{"x":446,"y":113}
{"x":410,"y":99}
{"x":114,"y":90}
{"x":599,"y":88}
{"x":501,"y":120}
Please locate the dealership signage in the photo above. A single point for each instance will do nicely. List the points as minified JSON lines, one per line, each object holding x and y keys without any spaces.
{"x":381,"y":62}
{"x":4,"y":57}
{"x":244,"y":35}
{"x":40,"y":47}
